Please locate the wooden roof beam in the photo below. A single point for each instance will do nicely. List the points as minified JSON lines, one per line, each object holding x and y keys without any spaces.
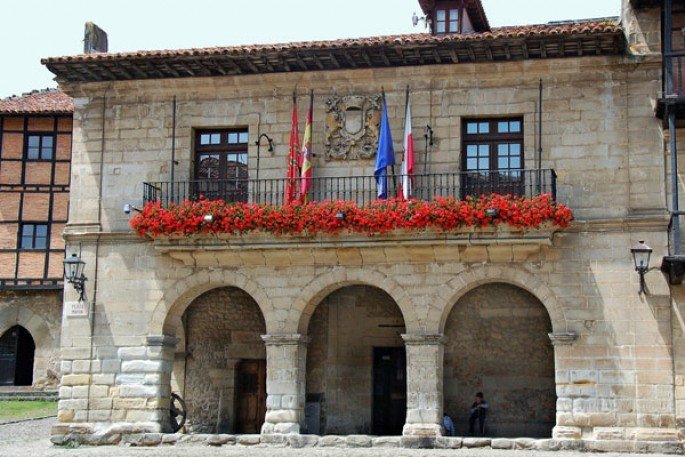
{"x":253,"y":68}
{"x":218,"y":67}
{"x":303,"y":66}
{"x":318,"y":62}
{"x":203,"y":68}
{"x":436,"y":56}
{"x":524,"y":45}
{"x":188,"y":70}
{"x":268,"y":66}
{"x":349,"y":59}
{"x":384,"y":58}
{"x":488,"y":52}
{"x":366,"y":58}
{"x":234,"y":66}
{"x":454,"y":56}
{"x":139,"y":73}
{"x":336,"y":64}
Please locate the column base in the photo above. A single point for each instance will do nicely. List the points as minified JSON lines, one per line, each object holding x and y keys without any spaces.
{"x":422,"y":430}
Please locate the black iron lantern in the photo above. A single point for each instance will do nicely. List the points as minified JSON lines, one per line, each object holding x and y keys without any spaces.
{"x":641,"y":255}
{"x":73,"y":273}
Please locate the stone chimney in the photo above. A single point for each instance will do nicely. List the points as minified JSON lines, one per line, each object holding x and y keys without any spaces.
{"x":94,"y":39}
{"x":642,"y":24}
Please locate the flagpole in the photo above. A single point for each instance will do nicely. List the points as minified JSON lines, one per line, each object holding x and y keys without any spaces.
{"x":392,"y":167}
{"x":404,"y":154}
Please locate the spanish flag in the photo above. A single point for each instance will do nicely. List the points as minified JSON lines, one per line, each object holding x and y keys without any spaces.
{"x":293,"y":158}
{"x":306,"y":167}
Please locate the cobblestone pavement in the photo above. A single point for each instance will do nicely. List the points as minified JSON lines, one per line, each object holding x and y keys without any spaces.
{"x":31,"y":438}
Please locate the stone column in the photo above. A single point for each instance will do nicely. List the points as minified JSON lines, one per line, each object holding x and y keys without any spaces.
{"x":424,"y":385}
{"x":286,"y":358}
{"x":566,"y":427}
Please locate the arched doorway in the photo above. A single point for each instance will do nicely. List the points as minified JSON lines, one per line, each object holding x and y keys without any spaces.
{"x":497,"y":343}
{"x":224,"y":363}
{"x":17,"y":351}
{"x":356,"y":364}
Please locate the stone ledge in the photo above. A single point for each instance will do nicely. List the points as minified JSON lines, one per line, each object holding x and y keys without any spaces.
{"x":296,"y":441}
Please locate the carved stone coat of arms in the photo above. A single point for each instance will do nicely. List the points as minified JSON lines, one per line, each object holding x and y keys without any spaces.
{"x":352,"y":127}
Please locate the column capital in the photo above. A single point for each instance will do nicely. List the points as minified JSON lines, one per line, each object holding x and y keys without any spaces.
{"x":563,"y":338}
{"x":161,"y":340}
{"x":411,"y":339}
{"x":285,"y":339}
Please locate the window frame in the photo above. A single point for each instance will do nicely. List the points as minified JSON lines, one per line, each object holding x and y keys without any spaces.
{"x":493,"y":140}
{"x":41,"y":136}
{"x":34,"y":237}
{"x":447,"y":7}
{"x":224,"y":149}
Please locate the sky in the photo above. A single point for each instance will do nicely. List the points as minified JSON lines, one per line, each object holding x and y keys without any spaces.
{"x":33,"y":29}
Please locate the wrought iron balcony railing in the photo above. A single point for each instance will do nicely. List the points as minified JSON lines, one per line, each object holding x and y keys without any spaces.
{"x":362,"y":189}
{"x":674,"y":75}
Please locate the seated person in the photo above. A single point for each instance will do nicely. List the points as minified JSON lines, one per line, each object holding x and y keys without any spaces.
{"x":449,"y":426}
{"x":479,"y":409}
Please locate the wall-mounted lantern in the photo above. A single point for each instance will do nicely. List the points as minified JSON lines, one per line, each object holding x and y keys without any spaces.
{"x":641,"y":255}
{"x":73,"y":274}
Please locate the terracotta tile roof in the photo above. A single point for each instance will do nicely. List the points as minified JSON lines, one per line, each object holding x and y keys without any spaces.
{"x":37,"y":101}
{"x":523,"y":31}
{"x":554,"y":40}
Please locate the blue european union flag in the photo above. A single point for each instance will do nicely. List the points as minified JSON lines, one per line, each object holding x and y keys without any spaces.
{"x":385,"y":157}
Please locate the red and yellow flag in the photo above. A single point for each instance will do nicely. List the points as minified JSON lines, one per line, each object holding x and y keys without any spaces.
{"x":306,"y":168}
{"x":291,"y":187}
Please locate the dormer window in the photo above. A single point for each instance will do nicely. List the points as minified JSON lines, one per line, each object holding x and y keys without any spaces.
{"x":454,"y":16}
{"x":447,"y":20}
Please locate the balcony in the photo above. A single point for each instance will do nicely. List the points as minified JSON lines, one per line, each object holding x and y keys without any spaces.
{"x":364,"y":234}
{"x":673,"y":90}
{"x":360,"y":189}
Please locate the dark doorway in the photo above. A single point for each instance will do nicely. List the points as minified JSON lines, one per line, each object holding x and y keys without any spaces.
{"x":250,"y":396}
{"x":389,"y":390}
{"x":16,"y":357}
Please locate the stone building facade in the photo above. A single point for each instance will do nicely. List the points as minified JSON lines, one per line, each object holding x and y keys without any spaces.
{"x":35,"y":153}
{"x":346,"y":328}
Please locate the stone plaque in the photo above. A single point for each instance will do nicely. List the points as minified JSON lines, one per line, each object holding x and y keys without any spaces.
{"x":77,"y":308}
{"x":352,"y":127}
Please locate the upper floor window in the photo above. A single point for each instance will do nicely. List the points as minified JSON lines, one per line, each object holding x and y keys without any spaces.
{"x":492,"y":156}
{"x":34,"y":236}
{"x":447,"y":20}
{"x":221,"y":156}
{"x":40,"y":147}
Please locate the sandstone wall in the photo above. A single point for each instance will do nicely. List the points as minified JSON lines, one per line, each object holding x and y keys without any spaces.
{"x":345,"y":328}
{"x":615,"y":380}
{"x":223,"y":327}
{"x":39,"y":312}
{"x":497,"y":343}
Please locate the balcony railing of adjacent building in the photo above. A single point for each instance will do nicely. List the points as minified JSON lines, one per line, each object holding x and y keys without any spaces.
{"x":674,"y":75}
{"x":361,"y":189}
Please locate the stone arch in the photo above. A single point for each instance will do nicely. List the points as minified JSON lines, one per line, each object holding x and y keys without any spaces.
{"x":45,"y":339}
{"x":39,"y":329}
{"x":182,"y":293}
{"x":325,"y":284}
{"x":496,"y":342}
{"x":472,"y":278}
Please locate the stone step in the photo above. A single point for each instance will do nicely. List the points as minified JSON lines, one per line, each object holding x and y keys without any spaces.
{"x":24,"y":394}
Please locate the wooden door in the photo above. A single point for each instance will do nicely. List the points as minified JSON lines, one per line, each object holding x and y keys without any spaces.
{"x":250,"y":396}
{"x":16,"y":357}
{"x":8,"y":356}
{"x":389,"y":390}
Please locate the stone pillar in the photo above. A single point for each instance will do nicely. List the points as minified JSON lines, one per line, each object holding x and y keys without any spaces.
{"x":424,"y":385}
{"x":286,"y":358}
{"x":566,"y":427}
